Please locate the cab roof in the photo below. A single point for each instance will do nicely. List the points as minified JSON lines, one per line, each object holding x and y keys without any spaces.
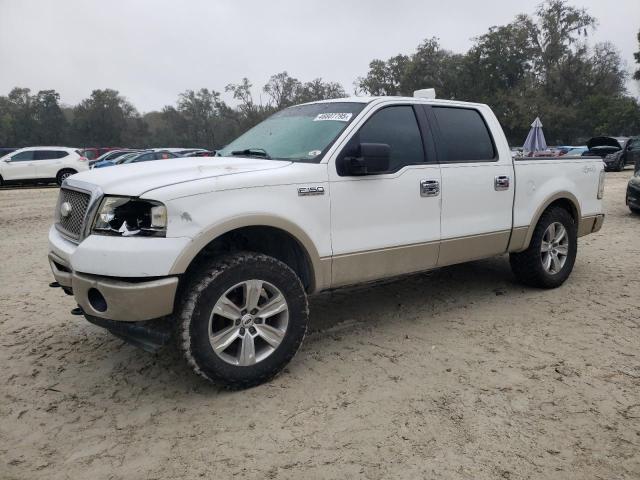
{"x":430,"y":101}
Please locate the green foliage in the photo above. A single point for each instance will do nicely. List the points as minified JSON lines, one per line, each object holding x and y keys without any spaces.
{"x":537,"y":65}
{"x":636,"y":55}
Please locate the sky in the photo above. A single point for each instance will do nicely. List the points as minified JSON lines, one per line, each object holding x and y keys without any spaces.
{"x":152,"y":50}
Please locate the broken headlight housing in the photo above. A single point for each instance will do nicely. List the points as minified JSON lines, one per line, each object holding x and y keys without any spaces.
{"x":130,"y":217}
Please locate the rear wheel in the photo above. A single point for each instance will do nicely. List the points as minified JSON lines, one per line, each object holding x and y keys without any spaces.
{"x":549,"y":260}
{"x":242,"y":319}
{"x":63,"y":175}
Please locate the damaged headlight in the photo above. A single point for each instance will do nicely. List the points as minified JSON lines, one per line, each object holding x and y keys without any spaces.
{"x":130,"y":217}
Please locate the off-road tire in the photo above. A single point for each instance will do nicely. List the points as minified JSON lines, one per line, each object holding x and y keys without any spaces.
{"x":527,"y":265}
{"x":61,"y":175}
{"x":204,"y":287}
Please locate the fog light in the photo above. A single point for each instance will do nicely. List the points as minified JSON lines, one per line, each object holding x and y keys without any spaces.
{"x":97,"y":300}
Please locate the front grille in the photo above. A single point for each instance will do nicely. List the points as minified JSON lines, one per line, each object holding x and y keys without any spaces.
{"x":72,"y":224}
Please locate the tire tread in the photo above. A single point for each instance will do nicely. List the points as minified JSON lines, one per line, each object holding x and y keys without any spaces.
{"x":196,"y":282}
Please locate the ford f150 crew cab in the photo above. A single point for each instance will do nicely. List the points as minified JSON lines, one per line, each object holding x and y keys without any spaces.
{"x":221,"y":252}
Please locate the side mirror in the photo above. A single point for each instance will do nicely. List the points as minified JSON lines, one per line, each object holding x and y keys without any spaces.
{"x":7,"y":160}
{"x":370,"y":159}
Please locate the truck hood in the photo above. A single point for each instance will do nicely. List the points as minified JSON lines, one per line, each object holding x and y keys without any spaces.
{"x":138,"y":178}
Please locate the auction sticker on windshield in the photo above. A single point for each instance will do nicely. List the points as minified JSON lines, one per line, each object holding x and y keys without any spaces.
{"x":340,"y":117}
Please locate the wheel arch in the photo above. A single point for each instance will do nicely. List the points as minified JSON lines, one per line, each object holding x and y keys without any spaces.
{"x":565,"y":200}
{"x":272,"y":236}
{"x":65,"y":169}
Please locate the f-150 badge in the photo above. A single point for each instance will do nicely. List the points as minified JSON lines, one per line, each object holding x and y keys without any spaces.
{"x":304,"y":191}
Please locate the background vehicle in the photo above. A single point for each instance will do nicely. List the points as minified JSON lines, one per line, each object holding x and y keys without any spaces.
{"x":322,"y":195}
{"x":601,"y":146}
{"x":112,"y":155}
{"x":41,"y":164}
{"x":633,"y":189}
{"x":135,"y":157}
{"x":203,"y":153}
{"x":188,"y":152}
{"x":91,"y":153}
{"x":627,"y":155}
{"x":576,"y":151}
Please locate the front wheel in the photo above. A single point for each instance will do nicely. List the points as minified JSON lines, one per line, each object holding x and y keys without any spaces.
{"x":549,"y":260}
{"x":242,"y":318}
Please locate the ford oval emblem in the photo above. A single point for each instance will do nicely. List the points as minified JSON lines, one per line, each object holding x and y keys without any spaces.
{"x":65,"y":209}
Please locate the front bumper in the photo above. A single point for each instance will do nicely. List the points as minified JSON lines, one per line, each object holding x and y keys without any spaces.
{"x":128,"y":300}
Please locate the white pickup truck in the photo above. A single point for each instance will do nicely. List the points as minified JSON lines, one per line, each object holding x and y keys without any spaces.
{"x":221,"y":252}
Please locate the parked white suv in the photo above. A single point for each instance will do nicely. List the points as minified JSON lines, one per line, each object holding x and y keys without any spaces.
{"x":222,"y":252}
{"x":41,"y":164}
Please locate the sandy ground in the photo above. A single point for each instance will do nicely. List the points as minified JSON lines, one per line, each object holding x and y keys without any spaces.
{"x":460,"y":373}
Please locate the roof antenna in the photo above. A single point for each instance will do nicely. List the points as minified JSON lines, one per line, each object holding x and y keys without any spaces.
{"x":425,"y":93}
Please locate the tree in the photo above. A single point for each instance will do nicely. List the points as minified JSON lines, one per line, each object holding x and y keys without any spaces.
{"x":636,"y":55}
{"x":103,"y":119}
{"x":282,"y":90}
{"x":50,"y":123}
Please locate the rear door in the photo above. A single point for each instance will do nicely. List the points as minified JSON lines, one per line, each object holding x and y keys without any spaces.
{"x":21,"y":167}
{"x":388,"y":223}
{"x":477,"y":185}
{"x":49,"y":162}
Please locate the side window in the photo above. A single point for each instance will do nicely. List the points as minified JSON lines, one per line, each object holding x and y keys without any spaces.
{"x":25,"y":156}
{"x":43,"y":154}
{"x":464,"y":136}
{"x":145,"y":158}
{"x":49,"y":154}
{"x":90,"y":154}
{"x":398,"y":128}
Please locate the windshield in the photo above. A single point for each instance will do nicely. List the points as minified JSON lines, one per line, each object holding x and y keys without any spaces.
{"x":124,"y":158}
{"x":300,"y":133}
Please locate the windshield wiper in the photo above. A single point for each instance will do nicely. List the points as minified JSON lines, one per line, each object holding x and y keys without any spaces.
{"x":256,"y":152}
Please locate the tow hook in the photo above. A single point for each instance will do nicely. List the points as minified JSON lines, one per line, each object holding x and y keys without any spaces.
{"x":77,"y":311}
{"x":54,"y":285}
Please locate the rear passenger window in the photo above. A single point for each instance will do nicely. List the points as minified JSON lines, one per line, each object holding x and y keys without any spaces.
{"x":464,"y":136}
{"x":49,"y":154}
{"x":397,"y":127}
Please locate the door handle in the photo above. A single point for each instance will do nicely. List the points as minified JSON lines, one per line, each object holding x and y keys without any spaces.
{"x":501,"y":182}
{"x":429,"y":188}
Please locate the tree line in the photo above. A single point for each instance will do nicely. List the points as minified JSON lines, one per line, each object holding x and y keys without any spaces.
{"x":538,"y":65}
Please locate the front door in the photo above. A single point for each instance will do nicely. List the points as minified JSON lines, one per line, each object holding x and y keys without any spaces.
{"x":388,"y":223}
{"x":21,"y":167}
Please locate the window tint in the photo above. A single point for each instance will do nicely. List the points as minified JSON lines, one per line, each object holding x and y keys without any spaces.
{"x":49,"y":154}
{"x":397,"y":127}
{"x":464,"y":136}
{"x":144,"y":158}
{"x":23,"y":156}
